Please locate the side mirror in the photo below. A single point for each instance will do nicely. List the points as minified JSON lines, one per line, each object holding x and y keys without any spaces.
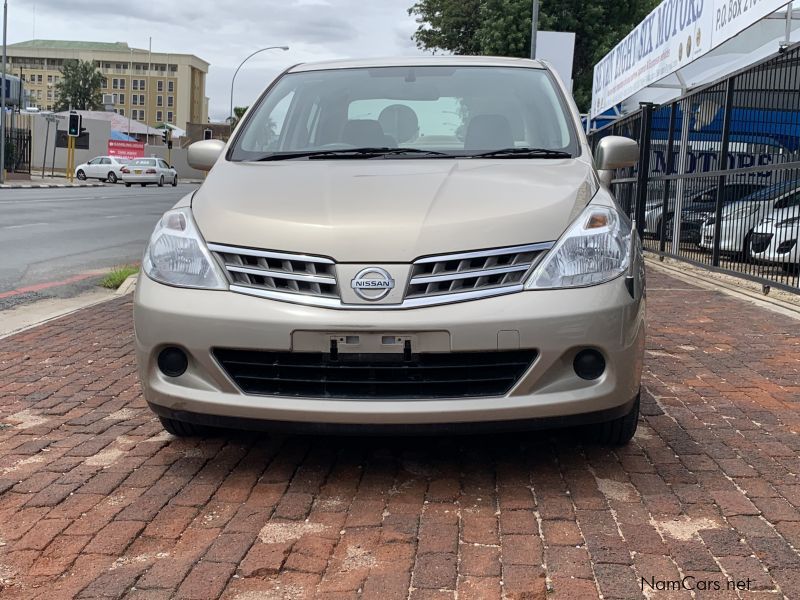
{"x":203,"y":154}
{"x":615,"y":152}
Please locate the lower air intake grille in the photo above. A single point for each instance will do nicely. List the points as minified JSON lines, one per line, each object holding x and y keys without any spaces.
{"x":431,"y":375}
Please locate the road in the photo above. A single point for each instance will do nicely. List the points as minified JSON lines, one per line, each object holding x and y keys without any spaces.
{"x":53,"y":242}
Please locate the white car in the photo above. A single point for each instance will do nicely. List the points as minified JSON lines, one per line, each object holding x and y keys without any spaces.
{"x":149,"y":170}
{"x":105,"y":168}
{"x":775,"y":240}
{"x":740,"y":218}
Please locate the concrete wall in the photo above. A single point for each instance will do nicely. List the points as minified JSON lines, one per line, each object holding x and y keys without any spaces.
{"x":99,"y":132}
{"x":177,"y":159}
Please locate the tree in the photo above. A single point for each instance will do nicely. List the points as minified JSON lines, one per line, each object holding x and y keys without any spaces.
{"x":79,"y":86}
{"x":503,"y":28}
{"x":238,"y":113}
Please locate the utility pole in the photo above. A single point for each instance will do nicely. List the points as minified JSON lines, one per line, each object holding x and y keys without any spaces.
{"x":3,"y":101}
{"x":534,"y":27}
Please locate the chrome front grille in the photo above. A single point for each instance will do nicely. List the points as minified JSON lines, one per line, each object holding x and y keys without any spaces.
{"x":278,"y":271}
{"x":482,"y":272}
{"x":444,"y":279}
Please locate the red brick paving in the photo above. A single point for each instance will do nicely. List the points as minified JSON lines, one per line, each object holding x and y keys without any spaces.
{"x":96,"y":501}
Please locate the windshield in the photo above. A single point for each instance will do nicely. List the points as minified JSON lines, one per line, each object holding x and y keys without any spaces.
{"x":446,"y":111}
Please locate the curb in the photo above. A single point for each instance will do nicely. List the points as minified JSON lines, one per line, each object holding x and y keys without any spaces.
{"x":127,"y":286}
{"x":7,"y":186}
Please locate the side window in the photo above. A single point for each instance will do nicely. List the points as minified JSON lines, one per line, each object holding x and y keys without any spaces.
{"x":94,"y":161}
{"x":265,"y":134}
{"x":789,"y":201}
{"x":106,"y":161}
{"x":163,"y":164}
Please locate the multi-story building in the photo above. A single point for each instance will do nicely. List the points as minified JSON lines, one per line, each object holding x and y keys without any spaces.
{"x":150,"y":87}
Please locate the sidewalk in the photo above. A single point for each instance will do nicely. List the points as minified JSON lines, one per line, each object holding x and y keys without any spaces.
{"x":97,"y":501}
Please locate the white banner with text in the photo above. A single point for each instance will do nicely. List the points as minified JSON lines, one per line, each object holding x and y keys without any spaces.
{"x":676,"y":33}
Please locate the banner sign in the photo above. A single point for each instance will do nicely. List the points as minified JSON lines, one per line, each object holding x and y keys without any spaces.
{"x":123,"y":149}
{"x":676,"y":33}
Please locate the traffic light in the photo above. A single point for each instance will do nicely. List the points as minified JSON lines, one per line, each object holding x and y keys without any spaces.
{"x":75,"y":125}
{"x":165,"y":136}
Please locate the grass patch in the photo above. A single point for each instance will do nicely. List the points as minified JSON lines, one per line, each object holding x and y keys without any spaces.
{"x":117,"y":275}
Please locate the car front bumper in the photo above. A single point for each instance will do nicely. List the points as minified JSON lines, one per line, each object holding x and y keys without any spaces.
{"x":555,"y":323}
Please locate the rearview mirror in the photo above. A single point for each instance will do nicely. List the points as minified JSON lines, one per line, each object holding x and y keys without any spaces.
{"x":203,"y":154}
{"x":615,"y":152}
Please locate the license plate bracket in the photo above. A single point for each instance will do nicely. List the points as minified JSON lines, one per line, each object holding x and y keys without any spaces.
{"x":361,"y":342}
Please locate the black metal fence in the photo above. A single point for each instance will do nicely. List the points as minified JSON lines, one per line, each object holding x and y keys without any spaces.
{"x":18,"y":142}
{"x":718,"y":180}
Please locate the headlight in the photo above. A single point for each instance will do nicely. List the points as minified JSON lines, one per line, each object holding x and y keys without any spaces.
{"x":743,"y":211}
{"x":788,"y":222}
{"x":177,"y":254}
{"x":594,"y":249}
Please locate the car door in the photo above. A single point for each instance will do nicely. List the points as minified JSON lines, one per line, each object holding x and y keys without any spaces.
{"x":165,"y":170}
{"x":93,"y":167}
{"x":106,"y":166}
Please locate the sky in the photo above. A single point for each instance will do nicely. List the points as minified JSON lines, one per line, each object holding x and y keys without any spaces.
{"x":223,"y":33}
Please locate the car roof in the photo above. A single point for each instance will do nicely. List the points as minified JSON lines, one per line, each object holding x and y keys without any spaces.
{"x":419,"y":61}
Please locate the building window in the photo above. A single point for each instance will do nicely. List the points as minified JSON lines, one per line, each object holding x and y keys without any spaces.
{"x":134,"y":84}
{"x":57,"y":78}
{"x":49,"y":94}
{"x":121,"y":112}
{"x":170,"y":101}
{"x":122,"y":98}
{"x":39,"y":78}
{"x":159,"y":101}
{"x":160,"y":85}
{"x":134,"y":99}
{"x":104,"y":83}
{"x":115,"y":83}
{"x":119,"y":65}
{"x":49,"y":107}
{"x":141,"y":84}
{"x":49,"y":79}
{"x":141,"y":99}
{"x":108,"y":65}
{"x":122,"y":84}
{"x":169,"y":117}
{"x":159,"y":116}
{"x":171,"y":86}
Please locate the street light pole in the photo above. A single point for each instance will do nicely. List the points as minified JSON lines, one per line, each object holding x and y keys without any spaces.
{"x":534,"y":27}
{"x":284,"y":48}
{"x":3,"y":101}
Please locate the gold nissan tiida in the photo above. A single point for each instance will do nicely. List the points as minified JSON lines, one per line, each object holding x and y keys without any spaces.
{"x":415,"y":244}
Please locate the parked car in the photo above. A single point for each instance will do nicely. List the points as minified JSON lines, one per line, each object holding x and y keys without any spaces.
{"x":104,"y":168}
{"x":775,"y":240}
{"x":149,"y":170}
{"x":461,"y":266}
{"x":695,"y":209}
{"x":741,"y":217}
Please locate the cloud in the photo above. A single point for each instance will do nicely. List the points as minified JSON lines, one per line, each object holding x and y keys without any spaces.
{"x":223,"y":32}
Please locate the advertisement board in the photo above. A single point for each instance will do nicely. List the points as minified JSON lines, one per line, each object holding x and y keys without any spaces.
{"x":675,"y":34}
{"x":123,"y":149}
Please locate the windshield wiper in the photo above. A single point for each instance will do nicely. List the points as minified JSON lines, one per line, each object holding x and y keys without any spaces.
{"x":353,"y":153}
{"x":523,"y":153}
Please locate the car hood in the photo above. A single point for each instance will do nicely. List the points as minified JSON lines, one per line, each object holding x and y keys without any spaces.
{"x":390,"y":210}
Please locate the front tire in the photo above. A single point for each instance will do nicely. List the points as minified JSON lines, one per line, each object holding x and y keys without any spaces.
{"x":620,"y":431}
{"x":175,"y":181}
{"x":161,"y":181}
{"x":127,"y":185}
{"x":112,"y":177}
{"x":81,"y":175}
{"x":184,"y":429}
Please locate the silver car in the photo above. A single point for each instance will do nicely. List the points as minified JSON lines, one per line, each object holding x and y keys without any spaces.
{"x":395,"y":245}
{"x":149,"y":170}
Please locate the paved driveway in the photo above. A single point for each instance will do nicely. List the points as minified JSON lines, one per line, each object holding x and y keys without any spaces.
{"x":97,"y":501}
